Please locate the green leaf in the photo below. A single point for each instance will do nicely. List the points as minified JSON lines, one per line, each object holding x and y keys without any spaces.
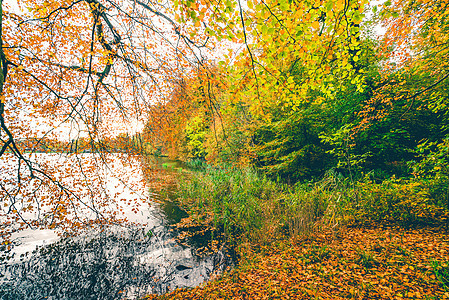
{"x":265,"y":29}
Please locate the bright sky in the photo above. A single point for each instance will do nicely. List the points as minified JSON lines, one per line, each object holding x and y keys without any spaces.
{"x":12,"y":4}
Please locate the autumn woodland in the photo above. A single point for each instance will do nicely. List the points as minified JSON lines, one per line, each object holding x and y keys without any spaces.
{"x":314,"y":134}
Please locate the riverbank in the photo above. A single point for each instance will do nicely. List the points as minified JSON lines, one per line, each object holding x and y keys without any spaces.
{"x":349,"y":263}
{"x":331,"y":239}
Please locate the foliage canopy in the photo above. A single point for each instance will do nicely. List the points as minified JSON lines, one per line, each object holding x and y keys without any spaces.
{"x":294,"y":88}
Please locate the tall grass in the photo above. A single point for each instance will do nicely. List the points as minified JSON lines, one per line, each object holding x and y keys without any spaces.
{"x":245,"y":204}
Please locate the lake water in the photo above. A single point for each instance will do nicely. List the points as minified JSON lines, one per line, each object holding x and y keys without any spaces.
{"x":110,"y":261}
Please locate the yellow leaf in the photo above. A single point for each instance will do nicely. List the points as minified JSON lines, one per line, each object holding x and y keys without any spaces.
{"x":316,"y":25}
{"x":340,"y":5}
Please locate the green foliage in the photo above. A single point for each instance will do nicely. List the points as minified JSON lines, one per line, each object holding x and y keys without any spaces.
{"x":434,"y":158}
{"x":407,"y":203}
{"x":247,"y":204}
{"x":196,"y":164}
{"x":432,"y":169}
{"x":317,"y":254}
{"x":341,"y":148}
{"x":366,"y":258}
{"x":290,"y":148}
{"x":393,"y":140}
{"x":234,"y":196}
{"x":438,"y":189}
{"x":195,"y":131}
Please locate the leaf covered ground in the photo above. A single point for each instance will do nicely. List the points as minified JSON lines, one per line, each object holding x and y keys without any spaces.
{"x":351,"y":263}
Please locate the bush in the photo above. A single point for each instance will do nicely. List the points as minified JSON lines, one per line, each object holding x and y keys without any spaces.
{"x":236,"y":197}
{"x":406,"y":203}
{"x":241,"y":203}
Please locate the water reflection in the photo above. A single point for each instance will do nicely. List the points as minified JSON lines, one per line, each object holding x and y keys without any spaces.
{"x":123,"y":264}
{"x":112,"y":263}
{"x":172,"y":212}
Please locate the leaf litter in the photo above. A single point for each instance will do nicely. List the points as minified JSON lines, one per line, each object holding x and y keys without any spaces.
{"x":349,"y":263}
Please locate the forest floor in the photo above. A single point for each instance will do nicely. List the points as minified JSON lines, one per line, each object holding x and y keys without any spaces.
{"x":349,"y":263}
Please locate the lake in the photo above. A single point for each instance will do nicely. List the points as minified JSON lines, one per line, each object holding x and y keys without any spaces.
{"x":126,"y":260}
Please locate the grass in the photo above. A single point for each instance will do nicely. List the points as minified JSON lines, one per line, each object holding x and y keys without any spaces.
{"x":366,"y":259}
{"x":245,"y":204}
{"x":441,"y":271}
{"x":241,"y":203}
{"x":317,"y":239}
{"x":236,"y":198}
{"x":317,"y":254}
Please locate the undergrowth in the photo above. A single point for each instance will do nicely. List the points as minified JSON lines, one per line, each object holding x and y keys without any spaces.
{"x":267,"y":220}
{"x":245,"y":204}
{"x":241,"y":203}
{"x":441,"y":271}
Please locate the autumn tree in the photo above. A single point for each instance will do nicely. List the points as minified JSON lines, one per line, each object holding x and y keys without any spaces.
{"x":211,"y":79}
{"x":414,"y":54}
{"x":77,"y":68}
{"x":292,"y":55}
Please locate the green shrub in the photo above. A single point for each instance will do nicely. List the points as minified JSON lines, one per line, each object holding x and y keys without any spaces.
{"x":234,"y":196}
{"x":407,"y":203}
{"x":243,"y":203}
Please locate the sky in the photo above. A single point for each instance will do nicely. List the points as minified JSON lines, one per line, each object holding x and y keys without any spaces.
{"x":12,"y":4}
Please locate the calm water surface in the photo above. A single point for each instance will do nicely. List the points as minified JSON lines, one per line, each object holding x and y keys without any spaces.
{"x":113,"y":263}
